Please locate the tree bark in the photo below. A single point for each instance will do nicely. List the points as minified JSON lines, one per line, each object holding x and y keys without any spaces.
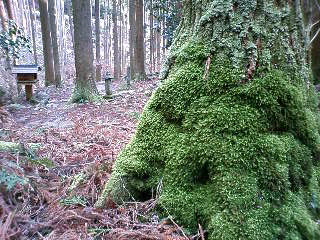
{"x":116,"y":62}
{"x":231,"y":138}
{"x":55,"y":45}
{"x":151,"y":56}
{"x":132,"y":37}
{"x":10,"y":9}
{"x":47,"y":43}
{"x":70,"y":20}
{"x":98,"y":51}
{"x":33,"y":30}
{"x":85,"y":88}
{"x":3,"y":16}
{"x":140,"y":73}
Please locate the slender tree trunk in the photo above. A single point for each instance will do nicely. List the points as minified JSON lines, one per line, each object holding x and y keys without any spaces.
{"x":158,"y":45}
{"x":33,"y":30}
{"x":151,"y":38}
{"x":116,"y":63}
{"x":140,"y":73}
{"x":62,"y":39}
{"x":47,"y":43}
{"x":70,"y":20}
{"x":106,"y":34}
{"x":120,"y":36}
{"x":54,"y":37}
{"x":10,"y":9}
{"x":98,"y":51}
{"x":3,"y":16}
{"x":85,"y":88}
{"x":132,"y":37}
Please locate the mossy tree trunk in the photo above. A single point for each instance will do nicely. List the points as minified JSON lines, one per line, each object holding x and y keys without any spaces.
{"x":232,"y":135}
{"x":85,"y":89}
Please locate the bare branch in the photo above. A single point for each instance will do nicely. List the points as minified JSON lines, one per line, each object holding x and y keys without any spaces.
{"x":315,"y":36}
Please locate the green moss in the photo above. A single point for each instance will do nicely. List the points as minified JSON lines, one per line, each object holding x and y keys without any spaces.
{"x":238,"y":156}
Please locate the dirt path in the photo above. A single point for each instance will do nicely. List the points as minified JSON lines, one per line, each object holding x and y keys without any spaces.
{"x":75,"y":139}
{"x":71,"y":133}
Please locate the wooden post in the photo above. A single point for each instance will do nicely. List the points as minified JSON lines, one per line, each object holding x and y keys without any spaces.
{"x":28,"y":89}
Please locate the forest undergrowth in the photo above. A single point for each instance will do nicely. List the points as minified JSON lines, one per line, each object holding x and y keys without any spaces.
{"x":55,"y":159}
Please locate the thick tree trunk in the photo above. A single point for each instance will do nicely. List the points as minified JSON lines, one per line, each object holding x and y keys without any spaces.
{"x":54,"y":37}
{"x":231,"y":138}
{"x":140,"y":73}
{"x":116,"y":62}
{"x":98,"y":51}
{"x":47,"y":43}
{"x":85,"y":89}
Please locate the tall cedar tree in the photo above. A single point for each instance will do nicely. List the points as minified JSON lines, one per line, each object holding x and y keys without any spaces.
{"x":54,"y":37}
{"x":85,"y":89}
{"x":231,"y":138}
{"x":140,"y":73}
{"x":132,"y":37}
{"x":47,"y":43}
{"x":98,"y":50}
{"x":116,"y":59}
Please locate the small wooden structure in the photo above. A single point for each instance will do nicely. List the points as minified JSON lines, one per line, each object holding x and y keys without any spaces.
{"x":26,"y":75}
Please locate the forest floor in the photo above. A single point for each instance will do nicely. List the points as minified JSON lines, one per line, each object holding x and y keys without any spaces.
{"x":51,"y":191}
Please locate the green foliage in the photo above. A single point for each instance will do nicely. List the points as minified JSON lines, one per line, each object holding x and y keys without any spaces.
{"x":45,"y":162}
{"x":74,"y":200}
{"x":98,"y":231}
{"x":13,"y":41}
{"x":10,"y":180}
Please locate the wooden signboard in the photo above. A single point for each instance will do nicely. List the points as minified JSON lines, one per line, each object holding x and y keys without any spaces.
{"x":26,"y":75}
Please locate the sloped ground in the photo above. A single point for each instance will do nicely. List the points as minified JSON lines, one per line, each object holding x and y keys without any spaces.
{"x":54,"y":188}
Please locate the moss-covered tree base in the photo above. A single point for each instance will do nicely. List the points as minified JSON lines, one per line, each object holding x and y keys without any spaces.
{"x":233,"y":144}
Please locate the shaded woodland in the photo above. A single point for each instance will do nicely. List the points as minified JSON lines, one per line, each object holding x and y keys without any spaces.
{"x":155,"y":119}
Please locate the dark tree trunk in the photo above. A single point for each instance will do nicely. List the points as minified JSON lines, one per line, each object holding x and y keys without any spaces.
{"x":47,"y":43}
{"x":132,"y":37}
{"x":33,"y":29}
{"x":85,"y":89}
{"x":231,"y":138}
{"x":54,"y":37}
{"x":98,"y":51}
{"x":140,"y":73}
{"x":116,"y":62}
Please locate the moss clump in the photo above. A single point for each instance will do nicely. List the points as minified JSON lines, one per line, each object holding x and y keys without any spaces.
{"x":232,"y":135}
{"x":240,"y":159}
